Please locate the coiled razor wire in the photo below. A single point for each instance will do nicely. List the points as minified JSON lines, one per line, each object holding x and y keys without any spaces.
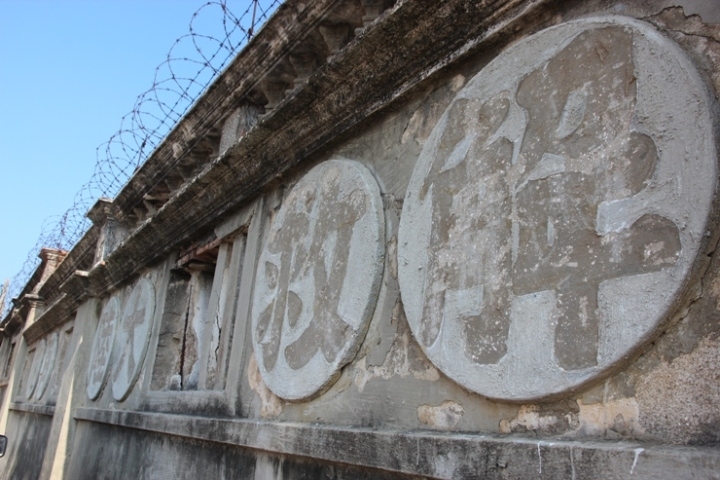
{"x":195,"y":59}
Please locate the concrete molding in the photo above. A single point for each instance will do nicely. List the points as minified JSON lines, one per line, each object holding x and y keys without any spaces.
{"x":47,"y":410}
{"x":437,"y":455}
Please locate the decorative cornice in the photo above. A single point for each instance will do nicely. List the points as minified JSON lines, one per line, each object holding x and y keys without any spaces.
{"x":361,"y":79}
{"x":60,"y":312}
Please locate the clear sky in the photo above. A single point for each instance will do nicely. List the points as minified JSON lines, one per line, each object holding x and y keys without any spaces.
{"x":69,"y":70}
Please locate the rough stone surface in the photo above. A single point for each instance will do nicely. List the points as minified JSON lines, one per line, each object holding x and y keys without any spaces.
{"x":549,"y":227}
{"x":132,"y":338}
{"x":102,"y":349}
{"x":318,"y":278}
{"x":663,"y":396}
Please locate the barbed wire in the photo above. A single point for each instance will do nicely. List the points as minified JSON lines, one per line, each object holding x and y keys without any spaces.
{"x":216,"y":34}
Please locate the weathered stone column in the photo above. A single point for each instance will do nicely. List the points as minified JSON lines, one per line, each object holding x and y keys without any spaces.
{"x":15,"y":371}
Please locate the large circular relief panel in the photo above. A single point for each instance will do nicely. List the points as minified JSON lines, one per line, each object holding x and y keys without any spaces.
{"x":557,"y":209}
{"x":48,"y":365}
{"x":34,"y":373}
{"x":102,"y":348}
{"x":318,"y":278}
{"x":132,"y":338}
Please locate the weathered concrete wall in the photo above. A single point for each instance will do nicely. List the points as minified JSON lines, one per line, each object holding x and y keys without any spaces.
{"x":24,"y":458}
{"x":118,"y":453}
{"x":504,"y":267}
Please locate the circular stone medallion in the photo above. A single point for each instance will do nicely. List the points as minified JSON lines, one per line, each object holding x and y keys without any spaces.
{"x":101,"y":353}
{"x":557,"y":209}
{"x":34,"y":373}
{"x":318,"y":278}
{"x":132,"y":338}
{"x":48,"y":365}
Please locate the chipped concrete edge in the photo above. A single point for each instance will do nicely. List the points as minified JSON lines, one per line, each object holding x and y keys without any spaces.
{"x":439,"y":455}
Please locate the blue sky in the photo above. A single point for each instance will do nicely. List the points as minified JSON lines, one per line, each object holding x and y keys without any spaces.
{"x":69,"y":71}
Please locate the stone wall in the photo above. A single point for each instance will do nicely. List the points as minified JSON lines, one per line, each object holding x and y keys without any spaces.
{"x":463,"y":240}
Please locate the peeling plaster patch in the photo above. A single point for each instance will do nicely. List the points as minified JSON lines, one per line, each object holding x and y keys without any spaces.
{"x":392,"y":257}
{"x":404,"y":358}
{"x":414,"y":126}
{"x":532,"y":418}
{"x":620,"y":416}
{"x":445,"y":416}
{"x":707,"y":10}
{"x":678,"y":401}
{"x":599,"y":419}
{"x":457,"y":82}
{"x":272,"y":405}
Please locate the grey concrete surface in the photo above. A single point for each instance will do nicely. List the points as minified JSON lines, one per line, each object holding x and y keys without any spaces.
{"x":590,"y":149}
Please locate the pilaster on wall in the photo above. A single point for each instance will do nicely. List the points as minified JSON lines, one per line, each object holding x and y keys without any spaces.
{"x":31,"y":305}
{"x":71,"y":394}
{"x":27,"y":309}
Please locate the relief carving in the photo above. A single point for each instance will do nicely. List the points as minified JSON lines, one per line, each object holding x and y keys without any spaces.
{"x":48,"y":365}
{"x":552,"y":189}
{"x":132,"y":338}
{"x":101,"y":353}
{"x":318,"y":278}
{"x":34,"y":374}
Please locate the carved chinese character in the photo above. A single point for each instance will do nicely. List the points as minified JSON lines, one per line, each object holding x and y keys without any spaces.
{"x":549,"y":184}
{"x":318,"y":278}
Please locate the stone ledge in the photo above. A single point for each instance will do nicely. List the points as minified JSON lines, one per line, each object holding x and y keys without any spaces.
{"x":436,"y":454}
{"x":32,"y":408}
